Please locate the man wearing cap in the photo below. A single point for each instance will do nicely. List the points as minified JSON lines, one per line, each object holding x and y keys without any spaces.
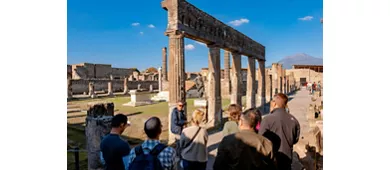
{"x":114,"y":150}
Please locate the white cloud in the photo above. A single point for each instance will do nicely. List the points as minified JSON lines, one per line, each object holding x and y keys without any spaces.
{"x":239,"y":22}
{"x":151,"y":26}
{"x":142,"y":33}
{"x":200,"y":43}
{"x":135,"y":24}
{"x":306,"y":18}
{"x":189,"y":47}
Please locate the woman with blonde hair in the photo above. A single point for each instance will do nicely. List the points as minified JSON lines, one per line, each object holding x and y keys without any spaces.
{"x":231,"y":126}
{"x":193,"y":144}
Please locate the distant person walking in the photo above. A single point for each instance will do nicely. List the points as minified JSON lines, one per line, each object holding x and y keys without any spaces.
{"x":282,"y":129}
{"x":314,"y":87}
{"x":319,"y":88}
{"x":231,"y":126}
{"x":245,"y":150}
{"x":193,"y":144}
{"x":114,"y":149}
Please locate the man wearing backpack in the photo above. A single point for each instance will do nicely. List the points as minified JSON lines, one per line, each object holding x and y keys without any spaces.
{"x":152,"y":154}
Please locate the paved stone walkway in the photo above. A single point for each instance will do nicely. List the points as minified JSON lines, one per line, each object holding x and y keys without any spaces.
{"x":298,"y":105}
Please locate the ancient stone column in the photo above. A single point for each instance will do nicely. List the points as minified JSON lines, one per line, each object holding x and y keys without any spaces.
{"x":226,"y":81}
{"x":214,"y":102}
{"x":159,"y":79}
{"x":287,"y":85}
{"x":235,"y":97}
{"x":91,"y":90}
{"x":98,"y":124}
{"x":261,"y":84}
{"x":151,"y":88}
{"x":280,"y":74}
{"x":271,"y":88}
{"x":176,"y":74}
{"x":164,"y":64}
{"x":275,"y":78}
{"x":69,"y":88}
{"x":250,"y":84}
{"x":110,"y":90}
{"x":125,"y":87}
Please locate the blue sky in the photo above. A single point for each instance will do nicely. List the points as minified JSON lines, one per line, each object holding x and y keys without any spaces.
{"x":106,"y":32}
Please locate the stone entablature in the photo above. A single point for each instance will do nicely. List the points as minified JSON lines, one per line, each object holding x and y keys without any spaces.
{"x":198,"y":25}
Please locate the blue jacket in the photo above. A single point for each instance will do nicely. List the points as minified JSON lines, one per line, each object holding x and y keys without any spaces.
{"x":178,"y":119}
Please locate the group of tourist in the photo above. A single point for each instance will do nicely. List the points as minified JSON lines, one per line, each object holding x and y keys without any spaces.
{"x":313,"y":87}
{"x":249,"y":141}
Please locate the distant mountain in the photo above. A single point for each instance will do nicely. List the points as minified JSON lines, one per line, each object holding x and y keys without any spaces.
{"x":300,"y":58}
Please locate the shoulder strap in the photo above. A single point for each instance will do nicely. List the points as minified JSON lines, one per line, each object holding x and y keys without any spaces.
{"x":192,"y":139}
{"x":138,"y":150}
{"x":157,"y":149}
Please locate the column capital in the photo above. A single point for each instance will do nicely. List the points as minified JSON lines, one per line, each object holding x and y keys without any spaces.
{"x":174,"y":34}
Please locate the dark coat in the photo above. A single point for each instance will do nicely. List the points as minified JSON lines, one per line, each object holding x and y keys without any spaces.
{"x":178,"y":119}
{"x":245,"y":150}
{"x":282,"y":129}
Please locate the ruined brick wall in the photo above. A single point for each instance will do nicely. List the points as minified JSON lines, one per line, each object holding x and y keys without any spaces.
{"x":83,"y":71}
{"x":121,"y":72}
{"x":98,"y":71}
{"x":310,"y":75}
{"x":102,"y":71}
{"x":80,"y":86}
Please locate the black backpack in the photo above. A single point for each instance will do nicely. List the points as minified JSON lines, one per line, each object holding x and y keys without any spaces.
{"x":147,"y":161}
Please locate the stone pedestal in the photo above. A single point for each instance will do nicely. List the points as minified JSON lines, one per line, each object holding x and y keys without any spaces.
{"x":200,"y":103}
{"x":162,"y":96}
{"x":214,"y":87}
{"x":139,"y":98}
{"x":235,"y":97}
{"x":98,"y":124}
{"x":250,"y":84}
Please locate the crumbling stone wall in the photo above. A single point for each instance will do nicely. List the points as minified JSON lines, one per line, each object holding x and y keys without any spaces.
{"x":310,"y":75}
{"x":80,"y":86}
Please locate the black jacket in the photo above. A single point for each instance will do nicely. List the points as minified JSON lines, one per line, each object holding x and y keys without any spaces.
{"x":282,"y":129}
{"x":245,"y":150}
{"x":178,"y":119}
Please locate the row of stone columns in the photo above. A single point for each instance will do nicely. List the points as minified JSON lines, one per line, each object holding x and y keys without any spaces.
{"x":280,"y":81}
{"x":91,"y":88}
{"x":177,"y":78}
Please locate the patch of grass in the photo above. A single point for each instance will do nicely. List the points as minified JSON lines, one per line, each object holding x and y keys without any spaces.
{"x":76,"y":138}
{"x":158,"y":109}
